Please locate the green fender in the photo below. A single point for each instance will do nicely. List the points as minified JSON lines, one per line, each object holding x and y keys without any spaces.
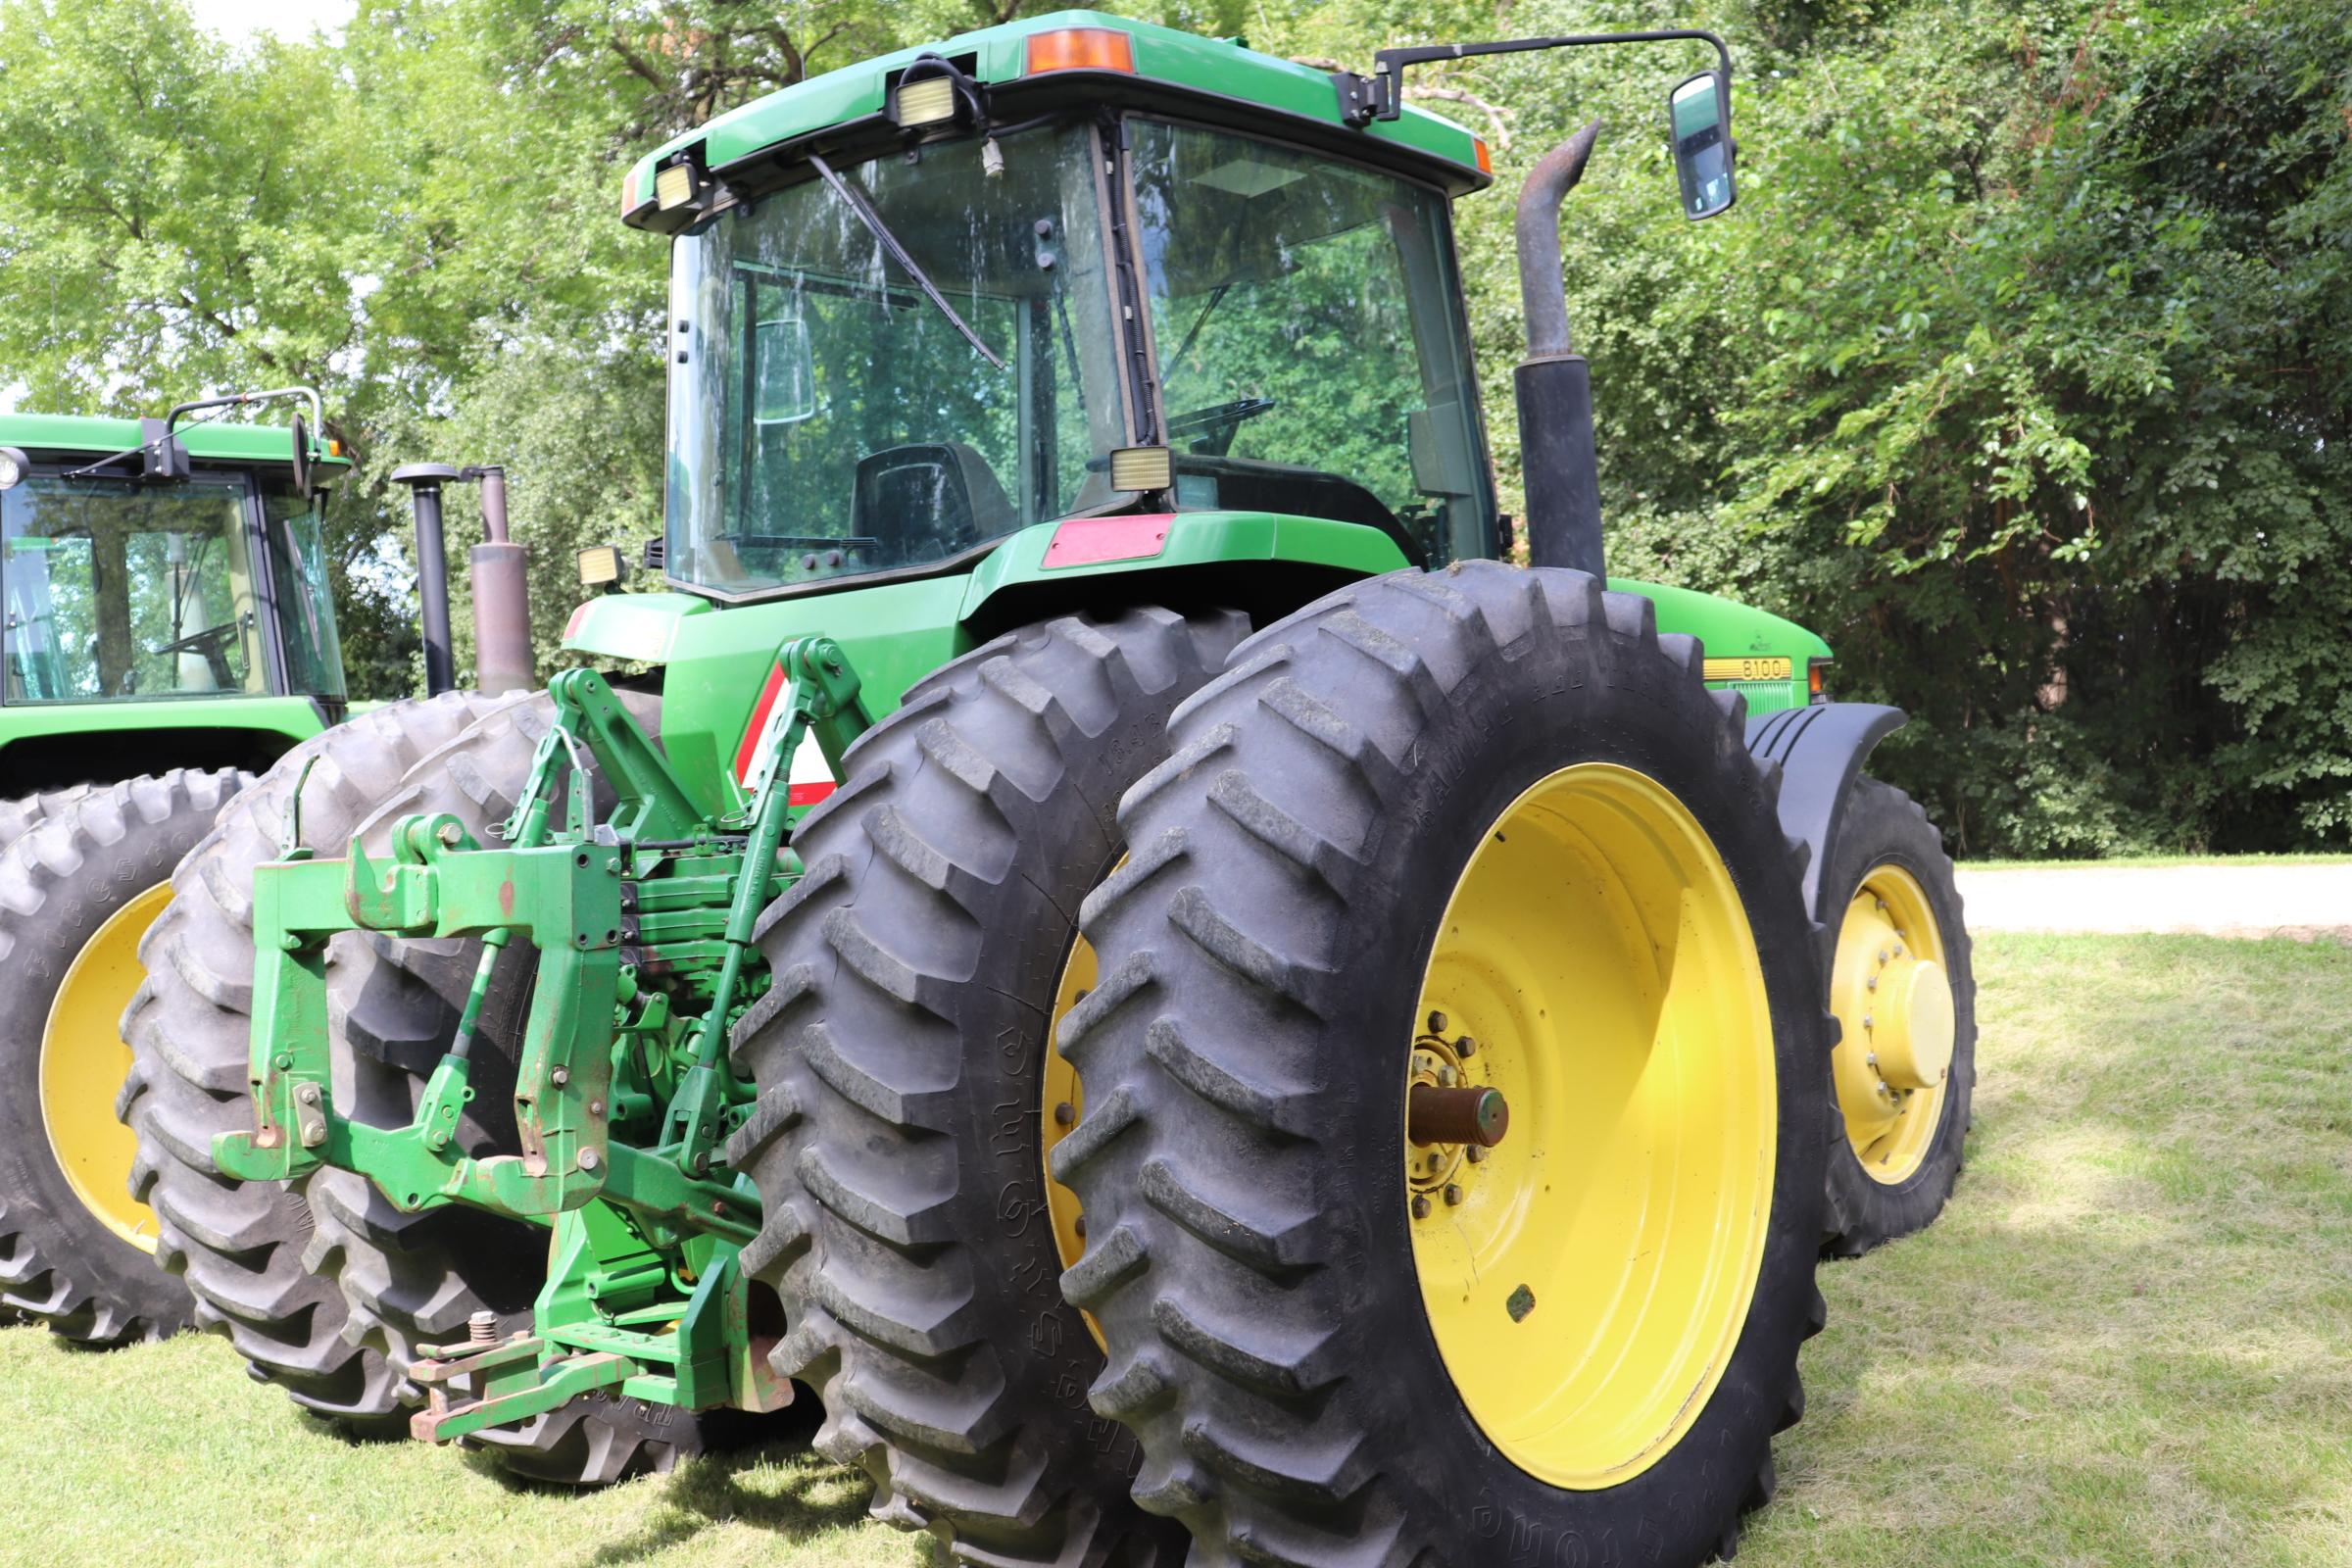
{"x":715,"y":658}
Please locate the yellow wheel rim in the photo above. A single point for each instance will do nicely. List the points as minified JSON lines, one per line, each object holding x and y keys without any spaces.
{"x":84,"y":1062}
{"x":1588,"y":1277}
{"x":1063,"y":1102}
{"x":1894,"y":1000}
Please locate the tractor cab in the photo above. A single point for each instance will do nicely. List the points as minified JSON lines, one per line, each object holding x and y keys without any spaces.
{"x":999,"y":304}
{"x":142,"y":567}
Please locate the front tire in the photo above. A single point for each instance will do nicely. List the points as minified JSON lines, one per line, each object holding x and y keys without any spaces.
{"x":1904,"y":991}
{"x":1486,"y":832}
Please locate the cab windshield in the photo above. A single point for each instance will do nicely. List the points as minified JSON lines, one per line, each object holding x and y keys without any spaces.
{"x":827,"y":420}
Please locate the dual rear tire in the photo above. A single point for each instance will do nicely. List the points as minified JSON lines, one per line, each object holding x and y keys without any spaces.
{"x":1493,"y":793}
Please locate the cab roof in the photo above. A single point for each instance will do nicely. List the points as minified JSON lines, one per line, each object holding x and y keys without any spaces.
{"x":845,"y":112}
{"x":257,"y":445}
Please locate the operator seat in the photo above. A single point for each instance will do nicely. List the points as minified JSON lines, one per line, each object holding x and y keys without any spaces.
{"x":929,"y":500}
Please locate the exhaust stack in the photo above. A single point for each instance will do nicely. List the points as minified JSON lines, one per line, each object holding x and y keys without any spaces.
{"x":502,"y":611}
{"x":502,"y":618}
{"x":1554,"y":383}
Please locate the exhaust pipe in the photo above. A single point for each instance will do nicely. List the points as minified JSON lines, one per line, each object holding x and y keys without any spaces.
{"x":425,"y":481}
{"x":502,"y":617}
{"x":1554,"y":383}
{"x":502,"y":613}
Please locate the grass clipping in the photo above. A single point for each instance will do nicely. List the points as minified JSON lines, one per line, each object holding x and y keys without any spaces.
{"x":2127,"y":1341}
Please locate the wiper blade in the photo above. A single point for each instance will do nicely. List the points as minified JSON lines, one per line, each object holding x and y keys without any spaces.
{"x":897,"y":252}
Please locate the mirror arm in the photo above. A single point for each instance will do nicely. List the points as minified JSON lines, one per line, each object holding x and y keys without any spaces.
{"x":1381,"y":95}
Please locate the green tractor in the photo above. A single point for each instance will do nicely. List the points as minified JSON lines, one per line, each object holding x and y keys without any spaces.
{"x":1107,"y":933}
{"x":168,"y":635}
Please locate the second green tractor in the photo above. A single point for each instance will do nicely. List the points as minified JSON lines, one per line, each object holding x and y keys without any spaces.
{"x":1107,"y":932}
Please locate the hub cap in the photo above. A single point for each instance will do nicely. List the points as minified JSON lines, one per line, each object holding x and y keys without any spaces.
{"x":1587,"y":1277}
{"x":84,"y":1062}
{"x":1893,"y":1003}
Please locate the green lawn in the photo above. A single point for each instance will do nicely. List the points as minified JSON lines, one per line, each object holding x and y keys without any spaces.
{"x":2150,"y":861}
{"x":2127,"y":1341}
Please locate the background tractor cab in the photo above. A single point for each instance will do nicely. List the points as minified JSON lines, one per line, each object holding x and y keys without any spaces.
{"x":168,"y":578}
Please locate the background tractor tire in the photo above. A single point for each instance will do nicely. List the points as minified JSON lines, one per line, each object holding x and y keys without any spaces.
{"x":246,"y":1248}
{"x":1890,"y":909}
{"x":412,"y":1280}
{"x":78,"y":889}
{"x":900,"y":1058}
{"x":1271,"y":1277}
{"x":17,"y":817}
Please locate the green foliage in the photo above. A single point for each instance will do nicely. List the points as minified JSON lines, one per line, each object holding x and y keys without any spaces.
{"x":2020,"y":372}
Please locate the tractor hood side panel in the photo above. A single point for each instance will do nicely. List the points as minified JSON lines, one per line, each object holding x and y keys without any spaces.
{"x":1743,"y":644}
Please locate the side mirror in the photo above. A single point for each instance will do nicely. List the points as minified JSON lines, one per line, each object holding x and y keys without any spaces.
{"x":1698,"y":114}
{"x":302,"y":459}
{"x":14,"y":466}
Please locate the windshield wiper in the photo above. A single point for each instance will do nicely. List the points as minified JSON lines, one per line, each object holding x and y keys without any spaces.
{"x":897,"y":252}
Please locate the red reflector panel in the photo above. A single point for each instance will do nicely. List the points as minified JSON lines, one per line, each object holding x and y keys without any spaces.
{"x":572,"y":627}
{"x":808,"y":794}
{"x":1083,"y":541}
{"x":749,"y":750}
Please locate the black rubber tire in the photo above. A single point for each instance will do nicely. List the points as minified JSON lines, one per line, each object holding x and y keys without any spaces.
{"x":70,"y":872}
{"x":898,"y":1061}
{"x":244,"y":1248}
{"x":1878,"y":826}
{"x":1254,"y":1278}
{"x":411,"y":1280}
{"x":17,"y":817}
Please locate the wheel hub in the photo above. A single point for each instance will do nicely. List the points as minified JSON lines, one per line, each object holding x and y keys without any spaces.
{"x":1589,"y":1126}
{"x":1898,"y":1021}
{"x":84,"y":1062}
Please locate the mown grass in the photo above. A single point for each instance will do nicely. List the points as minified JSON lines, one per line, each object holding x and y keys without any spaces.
{"x":2128,"y":1341}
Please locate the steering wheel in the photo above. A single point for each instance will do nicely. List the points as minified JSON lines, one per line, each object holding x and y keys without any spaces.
{"x":1220,"y":423}
{"x":213,"y":644}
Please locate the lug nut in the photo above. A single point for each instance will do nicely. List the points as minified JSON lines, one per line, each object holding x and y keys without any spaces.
{"x":1449,"y":1115}
{"x":1079,"y":1226}
{"x":1448,"y":1077}
{"x":1475,"y":1154}
{"x":1454,"y":1194}
{"x":1436,"y":1023}
{"x":1064,"y":1114}
{"x":1420,"y":1205}
{"x":1465,"y":1047}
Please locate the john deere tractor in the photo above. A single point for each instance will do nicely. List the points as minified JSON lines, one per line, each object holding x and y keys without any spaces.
{"x":168,"y":633}
{"x":1117,"y":943}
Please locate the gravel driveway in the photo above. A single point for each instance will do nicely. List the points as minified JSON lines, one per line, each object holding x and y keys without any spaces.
{"x":2234,"y":901}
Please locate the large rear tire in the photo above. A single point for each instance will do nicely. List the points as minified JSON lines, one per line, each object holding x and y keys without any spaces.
{"x":246,"y":1248}
{"x":412,"y":1280}
{"x":1904,"y":991}
{"x":78,"y":888}
{"x":901,"y":1061}
{"x":1480,"y":833}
